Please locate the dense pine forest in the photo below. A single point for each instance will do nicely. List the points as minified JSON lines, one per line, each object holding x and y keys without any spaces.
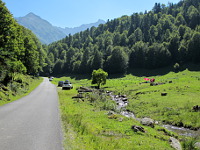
{"x":20,"y":50}
{"x":166,"y":35}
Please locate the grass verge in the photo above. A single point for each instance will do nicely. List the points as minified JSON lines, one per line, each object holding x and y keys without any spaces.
{"x":19,"y":88}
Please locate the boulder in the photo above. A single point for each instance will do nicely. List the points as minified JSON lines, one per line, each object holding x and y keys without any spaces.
{"x":197,"y":145}
{"x":124,"y":99}
{"x":147,"y":122}
{"x":163,"y":94}
{"x":136,"y":128}
{"x":175,"y":143}
{"x":110,"y":113}
{"x":84,"y":90}
{"x":120,"y":119}
{"x":196,"y":108}
{"x":123,"y":96}
{"x":78,"y":96}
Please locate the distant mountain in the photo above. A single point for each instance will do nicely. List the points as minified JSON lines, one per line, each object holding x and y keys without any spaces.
{"x":46,"y":32}
{"x":42,"y":28}
{"x":83,"y":27}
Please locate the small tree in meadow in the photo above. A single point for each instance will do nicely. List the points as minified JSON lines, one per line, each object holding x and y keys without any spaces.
{"x":99,"y":77}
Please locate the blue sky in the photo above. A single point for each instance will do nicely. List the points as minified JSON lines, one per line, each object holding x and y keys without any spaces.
{"x":73,"y":13}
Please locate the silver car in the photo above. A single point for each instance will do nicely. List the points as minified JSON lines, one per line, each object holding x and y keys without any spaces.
{"x":67,"y":85}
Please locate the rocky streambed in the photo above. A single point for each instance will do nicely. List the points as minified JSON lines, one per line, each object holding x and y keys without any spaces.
{"x":122,"y":102}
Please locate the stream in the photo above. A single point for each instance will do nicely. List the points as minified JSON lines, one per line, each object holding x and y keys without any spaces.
{"x":182,"y":131}
{"x":122,"y":102}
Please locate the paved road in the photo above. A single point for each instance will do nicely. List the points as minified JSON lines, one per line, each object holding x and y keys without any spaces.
{"x":33,"y":122}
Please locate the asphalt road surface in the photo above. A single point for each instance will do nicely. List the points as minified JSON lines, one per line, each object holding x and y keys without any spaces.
{"x":32,"y":122}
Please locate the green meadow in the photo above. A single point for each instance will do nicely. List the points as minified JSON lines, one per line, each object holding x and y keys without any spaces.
{"x":175,"y":108}
{"x":87,"y":124}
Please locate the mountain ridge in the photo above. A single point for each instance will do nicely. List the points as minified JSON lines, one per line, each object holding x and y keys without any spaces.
{"x":48,"y":33}
{"x":41,"y":28}
{"x":73,"y":30}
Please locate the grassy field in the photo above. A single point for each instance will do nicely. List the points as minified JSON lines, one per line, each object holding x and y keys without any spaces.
{"x":19,"y":88}
{"x":88,"y":127}
{"x":87,"y":124}
{"x":175,"y":108}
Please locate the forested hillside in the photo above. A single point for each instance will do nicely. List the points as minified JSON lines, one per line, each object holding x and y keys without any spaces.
{"x":166,"y":35}
{"x":20,"y":50}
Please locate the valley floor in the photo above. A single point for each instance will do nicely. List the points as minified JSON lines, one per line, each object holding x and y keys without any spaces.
{"x":87,"y":120}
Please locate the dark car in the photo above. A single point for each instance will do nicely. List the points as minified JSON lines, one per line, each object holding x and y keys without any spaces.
{"x":60,"y":83}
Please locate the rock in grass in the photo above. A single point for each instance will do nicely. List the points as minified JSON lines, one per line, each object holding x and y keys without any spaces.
{"x":197,"y":145}
{"x":147,"y":122}
{"x":136,"y":128}
{"x":113,"y":116}
{"x":163,"y":94}
{"x":120,"y":119}
{"x":196,"y":108}
{"x":84,"y":90}
{"x":175,"y":143}
{"x":110,"y":113}
{"x":78,"y":96}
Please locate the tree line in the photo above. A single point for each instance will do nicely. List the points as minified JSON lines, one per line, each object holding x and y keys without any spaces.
{"x":20,"y":50}
{"x":163,"y":36}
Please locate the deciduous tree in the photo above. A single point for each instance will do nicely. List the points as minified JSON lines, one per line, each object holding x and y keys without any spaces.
{"x":99,"y":77}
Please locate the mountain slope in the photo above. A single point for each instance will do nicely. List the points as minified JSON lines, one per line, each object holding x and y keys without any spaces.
{"x":46,"y":32}
{"x":42,"y":28}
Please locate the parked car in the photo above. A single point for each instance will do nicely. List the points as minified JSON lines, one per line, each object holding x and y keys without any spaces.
{"x":67,"y":85}
{"x":60,"y":83}
{"x":51,"y":78}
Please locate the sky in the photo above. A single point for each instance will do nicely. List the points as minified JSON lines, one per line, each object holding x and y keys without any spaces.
{"x":73,"y":13}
